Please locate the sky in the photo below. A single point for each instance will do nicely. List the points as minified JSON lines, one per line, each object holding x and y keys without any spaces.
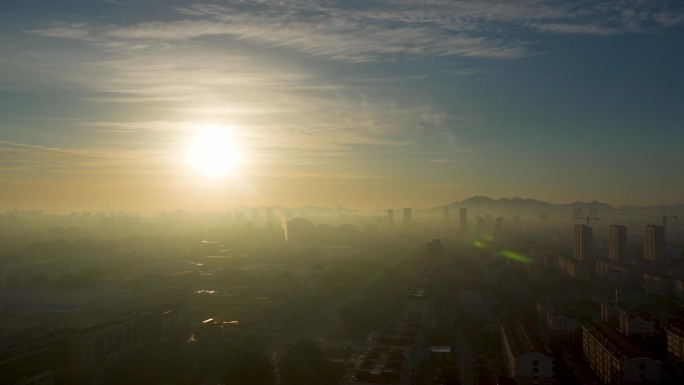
{"x":366,"y":104}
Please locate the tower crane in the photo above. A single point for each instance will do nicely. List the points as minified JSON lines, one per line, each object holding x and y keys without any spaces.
{"x":665,"y":217}
{"x":588,"y":218}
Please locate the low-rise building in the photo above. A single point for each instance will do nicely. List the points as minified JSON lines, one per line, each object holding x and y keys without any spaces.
{"x":635,"y":323}
{"x":610,"y":314}
{"x":527,"y":360}
{"x":418,"y":306}
{"x":34,"y":356}
{"x":675,"y":343}
{"x":614,"y":360}
{"x":558,"y":323}
{"x":383,"y":366}
{"x":678,"y":288}
{"x":656,"y":282}
{"x":394,"y":358}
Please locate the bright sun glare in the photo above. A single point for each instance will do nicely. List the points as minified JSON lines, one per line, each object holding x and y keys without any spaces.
{"x":213,"y":152}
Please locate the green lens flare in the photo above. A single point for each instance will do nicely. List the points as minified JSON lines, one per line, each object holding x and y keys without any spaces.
{"x":479,"y":244}
{"x":515,"y":256}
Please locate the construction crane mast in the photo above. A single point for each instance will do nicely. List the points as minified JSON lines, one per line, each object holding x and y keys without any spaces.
{"x":665,"y":217}
{"x":588,"y":218}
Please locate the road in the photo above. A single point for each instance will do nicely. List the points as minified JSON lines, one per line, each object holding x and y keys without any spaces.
{"x":465,"y":356}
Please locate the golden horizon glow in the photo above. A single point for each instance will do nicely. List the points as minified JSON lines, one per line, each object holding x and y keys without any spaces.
{"x":213,"y":152}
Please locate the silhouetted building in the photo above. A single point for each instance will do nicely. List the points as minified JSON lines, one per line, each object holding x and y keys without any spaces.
{"x":480,"y":223}
{"x":498,"y":226}
{"x":300,"y":230}
{"x":584,"y":238}
{"x":654,"y":243}
{"x":463,"y":218}
{"x":390,"y":217}
{"x":418,"y":306}
{"x":434,"y":248}
{"x":617,"y":246}
{"x":578,"y":213}
{"x":407,"y":216}
{"x":446,"y":216}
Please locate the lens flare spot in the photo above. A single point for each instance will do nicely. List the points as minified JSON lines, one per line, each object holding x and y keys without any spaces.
{"x":515,"y":256}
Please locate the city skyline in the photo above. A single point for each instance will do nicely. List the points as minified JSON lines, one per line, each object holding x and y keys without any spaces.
{"x":362,"y":104}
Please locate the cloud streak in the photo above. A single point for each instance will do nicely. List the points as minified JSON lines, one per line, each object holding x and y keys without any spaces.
{"x":24,"y":159}
{"x":385,"y":30}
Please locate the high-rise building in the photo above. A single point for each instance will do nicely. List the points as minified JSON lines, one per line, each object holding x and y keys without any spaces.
{"x":498,"y":226}
{"x":407,"y":216}
{"x":445,"y":214}
{"x":584,"y":238}
{"x":578,"y":213}
{"x":434,"y":249}
{"x":617,"y":247}
{"x":390,"y":217}
{"x":654,"y":243}
{"x":480,"y":223}
{"x":463,"y":218}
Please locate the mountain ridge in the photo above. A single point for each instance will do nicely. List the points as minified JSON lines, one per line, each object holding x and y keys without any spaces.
{"x":530,"y":203}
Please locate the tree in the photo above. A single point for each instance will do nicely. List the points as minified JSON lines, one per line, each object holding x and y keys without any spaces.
{"x":250,"y":369}
{"x":305,"y":364}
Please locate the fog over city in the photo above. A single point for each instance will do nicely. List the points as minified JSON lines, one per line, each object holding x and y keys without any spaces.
{"x":407,"y":192}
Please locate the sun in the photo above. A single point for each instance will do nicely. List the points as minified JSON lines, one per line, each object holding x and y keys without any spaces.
{"x":213,"y":152}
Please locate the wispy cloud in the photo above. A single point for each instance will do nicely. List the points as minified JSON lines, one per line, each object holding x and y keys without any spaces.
{"x":567,"y":28}
{"x":26,"y":159}
{"x":322,"y":175}
{"x":445,"y":186}
{"x":155,"y":125}
{"x":385,"y":30}
{"x":78,"y":31}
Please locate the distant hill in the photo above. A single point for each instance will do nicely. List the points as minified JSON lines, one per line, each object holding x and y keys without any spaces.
{"x":532,"y":207}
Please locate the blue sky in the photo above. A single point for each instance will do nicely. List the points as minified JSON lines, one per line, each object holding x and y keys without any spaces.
{"x":363,"y":103}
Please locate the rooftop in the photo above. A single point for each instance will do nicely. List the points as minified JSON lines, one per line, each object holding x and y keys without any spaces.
{"x":521,"y":338}
{"x":612,"y":341}
{"x":633,"y":312}
{"x":676,"y":328}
